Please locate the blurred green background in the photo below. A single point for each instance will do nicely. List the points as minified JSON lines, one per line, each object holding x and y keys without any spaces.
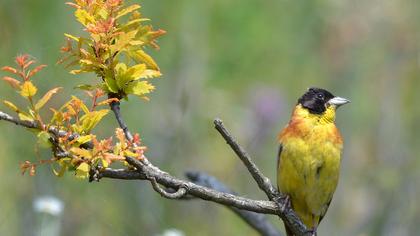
{"x":247,"y":62}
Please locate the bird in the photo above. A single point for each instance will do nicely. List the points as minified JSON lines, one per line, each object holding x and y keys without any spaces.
{"x":309,"y":156}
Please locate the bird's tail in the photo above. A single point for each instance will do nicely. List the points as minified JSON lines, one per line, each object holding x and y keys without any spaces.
{"x":288,"y":230}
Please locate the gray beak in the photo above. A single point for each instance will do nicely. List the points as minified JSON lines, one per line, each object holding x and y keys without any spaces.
{"x":338,"y":101}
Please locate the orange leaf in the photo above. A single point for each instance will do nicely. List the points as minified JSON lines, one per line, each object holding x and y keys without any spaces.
{"x":21,"y":60}
{"x":36,"y":70}
{"x":72,"y":5}
{"x":28,"y":64}
{"x":13,"y":82}
{"x":10,"y":69}
{"x":46,"y":97}
{"x":108,"y":101}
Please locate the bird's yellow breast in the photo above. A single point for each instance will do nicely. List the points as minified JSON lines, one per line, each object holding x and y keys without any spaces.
{"x":309,"y":162}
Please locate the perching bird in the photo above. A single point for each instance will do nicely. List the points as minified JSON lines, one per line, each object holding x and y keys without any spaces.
{"x":309,"y":156}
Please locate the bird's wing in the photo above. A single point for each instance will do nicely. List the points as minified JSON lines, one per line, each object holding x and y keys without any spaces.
{"x":326,"y":209}
{"x":278,"y":155}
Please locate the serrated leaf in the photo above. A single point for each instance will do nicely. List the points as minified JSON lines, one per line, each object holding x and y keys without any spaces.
{"x":142,"y":57}
{"x":127,"y":10}
{"x":82,"y":171}
{"x":148,"y":74}
{"x":13,"y":82}
{"x":90,"y":120}
{"x":10,"y":105}
{"x":135,"y":71}
{"x":28,"y":89}
{"x":130,"y":74}
{"x":139,"y":88}
{"x":44,"y":139}
{"x":123,"y":40}
{"x":84,"y":17}
{"x":46,"y":98}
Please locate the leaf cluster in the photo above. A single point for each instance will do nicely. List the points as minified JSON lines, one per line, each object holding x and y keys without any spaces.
{"x":114,"y":51}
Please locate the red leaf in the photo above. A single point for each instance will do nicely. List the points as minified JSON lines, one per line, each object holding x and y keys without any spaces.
{"x":36,"y":70}
{"x":28,"y":64}
{"x":10,"y":69}
{"x":13,"y":82}
{"x":21,"y":60}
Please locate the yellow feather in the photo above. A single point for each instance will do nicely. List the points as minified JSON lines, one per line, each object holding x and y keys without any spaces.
{"x":309,"y":163}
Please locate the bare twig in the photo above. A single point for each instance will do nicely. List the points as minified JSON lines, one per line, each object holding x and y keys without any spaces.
{"x":263,"y":182}
{"x":257,"y":221}
{"x":115,"y":107}
{"x":176,"y":195}
{"x":204,"y":193}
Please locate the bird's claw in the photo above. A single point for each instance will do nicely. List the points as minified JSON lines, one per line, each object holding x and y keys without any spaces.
{"x":287,"y":203}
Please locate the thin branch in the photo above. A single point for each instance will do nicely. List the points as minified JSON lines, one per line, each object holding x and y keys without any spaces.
{"x":286,"y":213}
{"x":176,"y":195}
{"x":263,"y":182}
{"x":257,"y":221}
{"x":115,"y":107}
{"x":267,"y":207}
{"x":24,"y":123}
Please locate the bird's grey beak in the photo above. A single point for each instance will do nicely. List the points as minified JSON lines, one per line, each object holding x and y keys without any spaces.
{"x":338,"y":101}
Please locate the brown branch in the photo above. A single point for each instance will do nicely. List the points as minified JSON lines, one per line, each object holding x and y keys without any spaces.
{"x":115,"y":107}
{"x":263,"y":182}
{"x":146,"y":171}
{"x":176,"y":195}
{"x":257,"y":221}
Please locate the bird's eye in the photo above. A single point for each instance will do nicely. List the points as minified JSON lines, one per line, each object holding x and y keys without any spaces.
{"x":320,"y":96}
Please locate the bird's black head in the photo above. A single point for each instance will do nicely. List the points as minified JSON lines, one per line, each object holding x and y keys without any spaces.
{"x":316,"y":100}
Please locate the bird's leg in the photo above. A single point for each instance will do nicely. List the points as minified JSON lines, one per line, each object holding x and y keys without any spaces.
{"x":313,"y":231}
{"x":315,"y":224}
{"x":287,"y":203}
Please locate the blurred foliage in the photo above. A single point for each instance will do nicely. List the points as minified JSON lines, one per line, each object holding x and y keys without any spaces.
{"x":246,"y":62}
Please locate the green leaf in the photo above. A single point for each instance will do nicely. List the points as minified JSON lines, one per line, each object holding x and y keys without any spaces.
{"x":123,"y":40}
{"x":72,"y":37}
{"x":139,"y":88}
{"x":82,"y":171}
{"x":84,"y":17}
{"x":127,"y":10}
{"x":87,"y":87}
{"x":141,"y":57}
{"x":46,"y":98}
{"x":136,"y":71}
{"x":84,"y":139}
{"x":111,"y":84}
{"x":44,"y":139}
{"x":10,"y":105}
{"x":90,"y":120}
{"x":25,"y":116}
{"x":63,"y":166}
